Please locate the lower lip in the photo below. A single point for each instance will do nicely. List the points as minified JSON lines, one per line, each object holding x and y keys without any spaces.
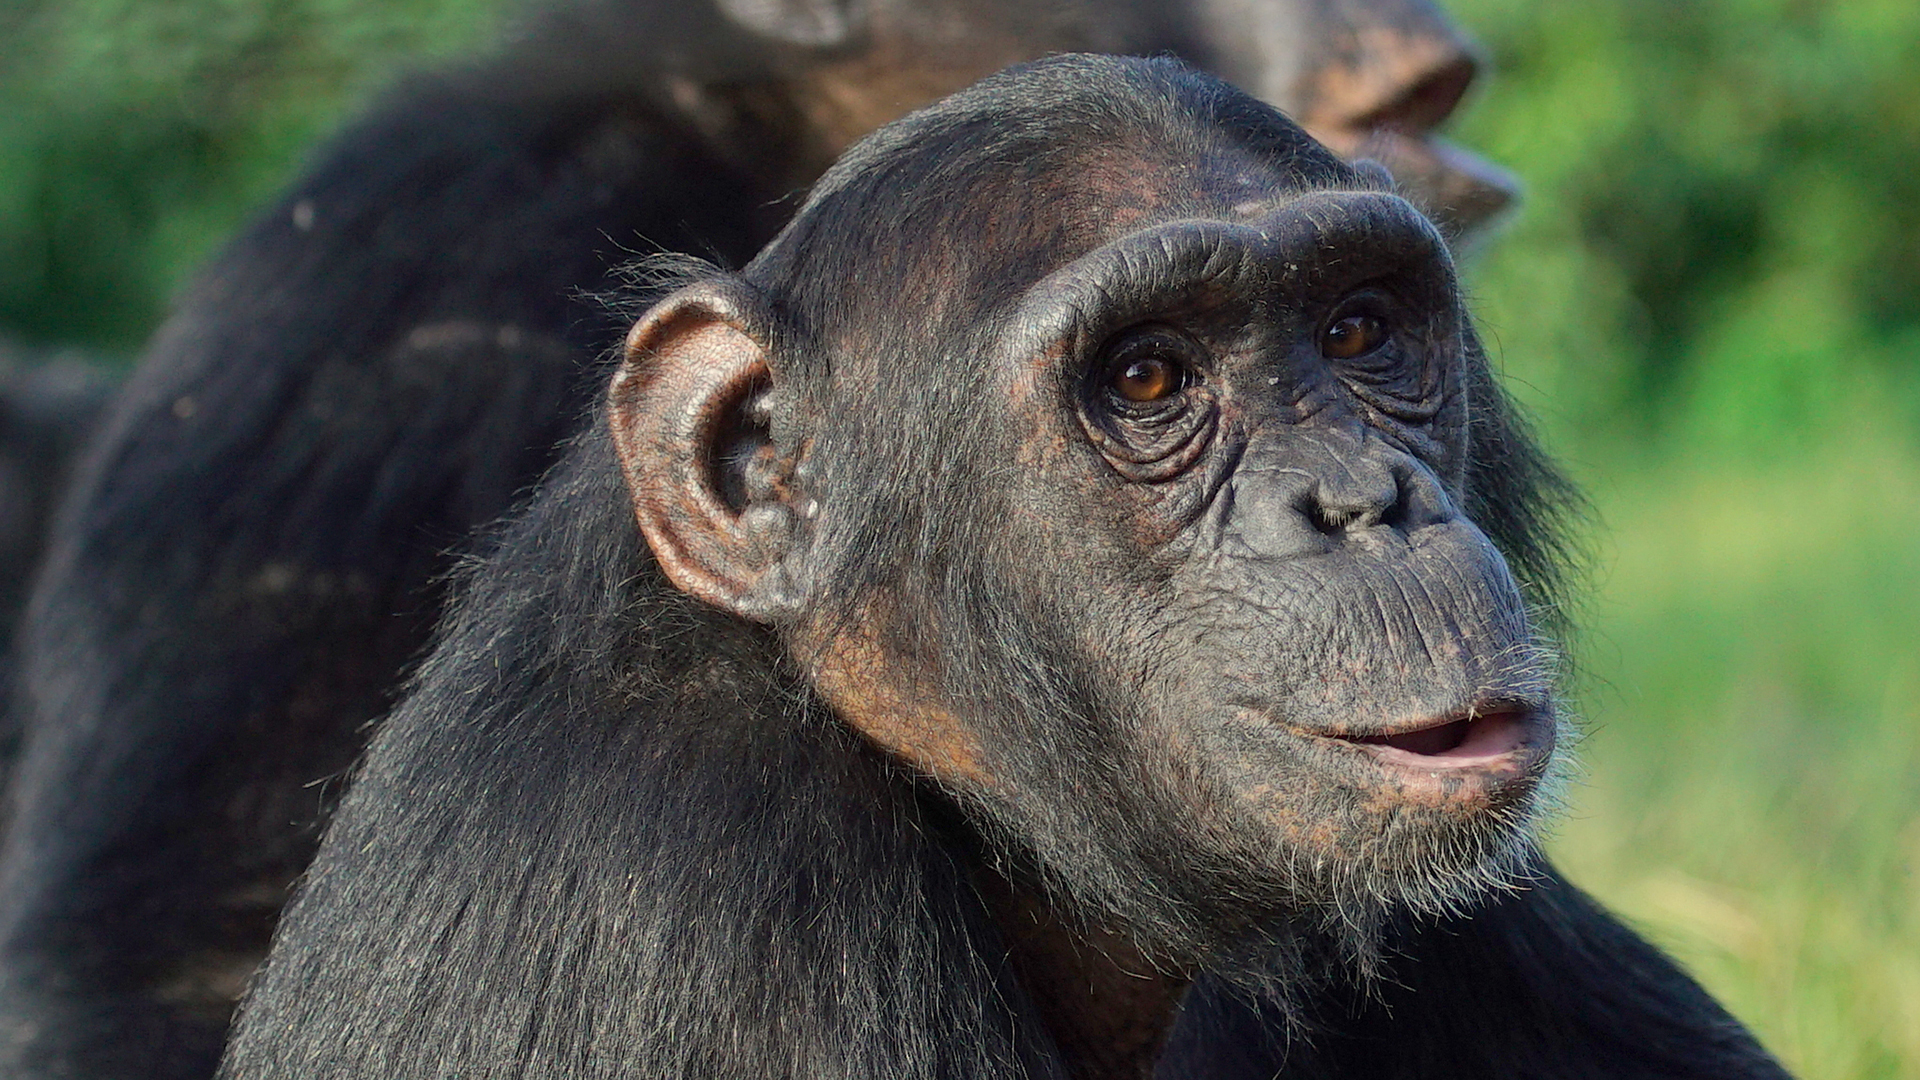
{"x":1475,"y":742}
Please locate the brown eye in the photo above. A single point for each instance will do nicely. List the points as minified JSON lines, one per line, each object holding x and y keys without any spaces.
{"x":1352,"y":336}
{"x":1146,"y":402}
{"x":1149,"y":379}
{"x":1149,"y":366}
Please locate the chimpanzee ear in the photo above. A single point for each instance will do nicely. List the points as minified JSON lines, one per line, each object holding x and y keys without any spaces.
{"x":689,"y":415}
{"x":814,"y":23}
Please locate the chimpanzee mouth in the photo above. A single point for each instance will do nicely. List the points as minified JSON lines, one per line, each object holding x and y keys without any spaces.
{"x":1482,"y":737}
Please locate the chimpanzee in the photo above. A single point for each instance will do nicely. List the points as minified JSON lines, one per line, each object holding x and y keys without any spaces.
{"x":387,"y":358}
{"x":1061,"y":610}
{"x":48,"y":403}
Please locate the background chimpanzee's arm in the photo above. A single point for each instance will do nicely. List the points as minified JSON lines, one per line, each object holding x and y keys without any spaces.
{"x":371,"y":371}
{"x":48,"y":405}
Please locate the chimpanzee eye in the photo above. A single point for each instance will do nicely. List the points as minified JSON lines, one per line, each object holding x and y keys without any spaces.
{"x":1148,"y":366}
{"x":1146,"y":403}
{"x":1150,"y":379}
{"x":1378,"y":344}
{"x":1352,"y":336}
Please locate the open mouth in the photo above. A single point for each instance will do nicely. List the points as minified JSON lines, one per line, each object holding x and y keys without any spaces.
{"x":1479,"y":738}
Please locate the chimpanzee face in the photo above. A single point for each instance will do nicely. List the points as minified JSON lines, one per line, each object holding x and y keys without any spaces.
{"x":1135,"y":523}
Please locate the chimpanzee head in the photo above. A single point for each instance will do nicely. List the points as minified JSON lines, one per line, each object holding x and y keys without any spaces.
{"x":1115,"y":457}
{"x":1369,"y":78}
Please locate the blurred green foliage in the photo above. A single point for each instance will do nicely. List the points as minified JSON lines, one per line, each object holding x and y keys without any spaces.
{"x":135,"y":133}
{"x":1711,"y":301}
{"x":1725,"y":203}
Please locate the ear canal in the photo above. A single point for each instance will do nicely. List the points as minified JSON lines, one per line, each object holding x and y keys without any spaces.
{"x":687,"y":419}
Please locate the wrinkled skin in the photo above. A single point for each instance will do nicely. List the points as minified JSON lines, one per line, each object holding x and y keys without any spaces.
{"x":1294,"y":571}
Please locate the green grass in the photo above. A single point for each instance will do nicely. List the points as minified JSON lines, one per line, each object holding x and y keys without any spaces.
{"x":135,"y":135}
{"x":1752,"y":798}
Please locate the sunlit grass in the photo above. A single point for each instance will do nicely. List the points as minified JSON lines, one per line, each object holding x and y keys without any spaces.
{"x":1753,"y":785}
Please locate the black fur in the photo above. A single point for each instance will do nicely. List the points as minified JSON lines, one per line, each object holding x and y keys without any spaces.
{"x":612,"y":832}
{"x":48,"y":404}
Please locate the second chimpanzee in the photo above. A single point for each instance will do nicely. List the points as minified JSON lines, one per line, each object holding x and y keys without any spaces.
{"x":387,"y":357}
{"x":1061,"y":610}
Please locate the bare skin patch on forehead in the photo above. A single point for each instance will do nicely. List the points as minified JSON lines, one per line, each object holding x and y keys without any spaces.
{"x":1129,"y":189}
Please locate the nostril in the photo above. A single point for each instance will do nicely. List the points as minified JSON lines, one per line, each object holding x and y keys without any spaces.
{"x":1397,"y":514}
{"x":1325,"y":521}
{"x":1332,"y":511}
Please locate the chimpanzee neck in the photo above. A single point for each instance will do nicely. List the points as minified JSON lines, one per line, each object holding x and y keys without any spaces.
{"x":1108,"y":1007}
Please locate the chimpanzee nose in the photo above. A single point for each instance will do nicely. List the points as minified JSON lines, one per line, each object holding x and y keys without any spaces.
{"x":1311,"y":491}
{"x":1358,"y":494}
